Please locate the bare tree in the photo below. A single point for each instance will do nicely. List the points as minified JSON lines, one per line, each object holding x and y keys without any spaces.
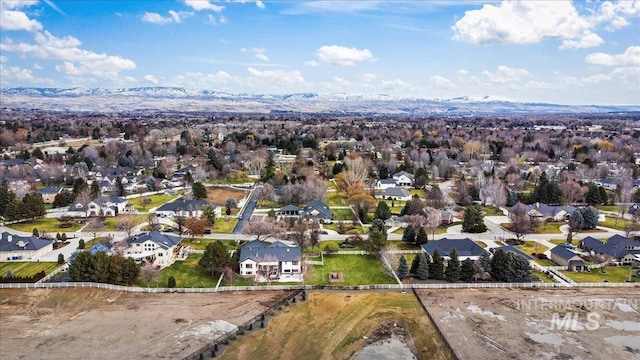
{"x":434,"y":218}
{"x":572,"y":191}
{"x":520,"y":221}
{"x":84,"y":198}
{"x":149,"y":272}
{"x":267,"y":267}
{"x":152,"y":220}
{"x":95,"y":225}
{"x":299,"y":233}
{"x":263,"y":228}
{"x":126,"y":223}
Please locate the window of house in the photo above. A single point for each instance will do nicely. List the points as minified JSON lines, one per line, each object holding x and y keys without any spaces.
{"x":248,"y":266}
{"x":294,"y":263}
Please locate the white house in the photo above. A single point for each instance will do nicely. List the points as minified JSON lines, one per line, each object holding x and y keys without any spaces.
{"x":107,"y":205}
{"x":395,"y":193}
{"x":153,"y":247}
{"x":276,"y":261}
{"x":385,"y":183}
{"x":186,"y":208}
{"x":14,"y":247}
{"x":403,"y":178}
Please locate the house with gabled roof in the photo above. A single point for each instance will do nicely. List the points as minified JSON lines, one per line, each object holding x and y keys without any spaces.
{"x":153,"y":247}
{"x":466,"y":248}
{"x":395,"y":193}
{"x":107,"y":205}
{"x":403,"y":178}
{"x":542,"y":212}
{"x":314,"y":210}
{"x":15,"y":247}
{"x":186,"y":208}
{"x":271,"y":262}
{"x":621,"y":249}
{"x":565,"y":257}
{"x":49,"y":193}
{"x":385,"y":183}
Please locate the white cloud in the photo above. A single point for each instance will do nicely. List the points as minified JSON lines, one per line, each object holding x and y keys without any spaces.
{"x":631,"y":57}
{"x":174,"y":17}
{"x":395,"y":84}
{"x":311,"y":63}
{"x":258,"y":3}
{"x":368,"y":77}
{"x":10,"y":73}
{"x":504,"y":75}
{"x":3,"y":59}
{"x":597,"y":78}
{"x":152,"y":79}
{"x":588,"y":41}
{"x":199,"y":5}
{"x":521,"y":22}
{"x":291,"y":77}
{"x":76,"y":61}
{"x":463,"y":72}
{"x":38,"y":66}
{"x":614,"y":14}
{"x":17,"y":20}
{"x":442,"y":82}
{"x":344,"y":56}
{"x":260,"y":54}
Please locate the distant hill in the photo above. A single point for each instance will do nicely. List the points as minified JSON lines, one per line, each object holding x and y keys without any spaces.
{"x":184,"y":99}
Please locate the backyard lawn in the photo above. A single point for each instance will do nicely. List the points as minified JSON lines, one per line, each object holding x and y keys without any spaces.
{"x":618,"y":224}
{"x":145,"y":203}
{"x":337,"y":198}
{"x":201,"y":243}
{"x":532,"y":247}
{"x":187,"y":274}
{"x":612,"y":274}
{"x":356,"y":270}
{"x":491,"y":211}
{"x":111,"y":223}
{"x":542,"y":276}
{"x":27,"y":268}
{"x":347,"y":214}
{"x":44,"y":225}
{"x":223,"y":226}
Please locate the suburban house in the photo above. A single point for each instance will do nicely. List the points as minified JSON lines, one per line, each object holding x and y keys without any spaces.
{"x":14,"y":247}
{"x":565,"y":257}
{"x":635,"y":207}
{"x":467,"y":249}
{"x":543,"y":212}
{"x":153,"y":247}
{"x":104,"y":205}
{"x":186,"y":208}
{"x":622,"y":250}
{"x":609,"y":184}
{"x":385,"y":183}
{"x":49,"y":194}
{"x":315,"y":209}
{"x":403,"y":178}
{"x":276,"y":261}
{"x":395,"y":193}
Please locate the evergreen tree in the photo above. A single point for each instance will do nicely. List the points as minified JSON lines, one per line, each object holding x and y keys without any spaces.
{"x":171,"y":282}
{"x":215,"y":257}
{"x":590,"y":215}
{"x":593,"y":195}
{"x":473,"y":221}
{"x":569,"y":237}
{"x":35,"y":232}
{"x":382,"y":210}
{"x":60,"y":259}
{"x":500,"y":266}
{"x":6,"y":197}
{"x":409,"y":235}
{"x":422,"y":270}
{"x":378,"y":224}
{"x":576,"y":221}
{"x":81,"y":244}
{"x":269,"y":170}
{"x":604,"y":198}
{"x":436,"y":268}
{"x":485,"y":262}
{"x":32,"y":206}
{"x":520,"y":268}
{"x":377,"y":242}
{"x":95,"y":189}
{"x":547,"y":192}
{"x":414,"y":264}
{"x":403,"y":268}
{"x":422,"y":237}
{"x":199,"y":190}
{"x":452,"y":272}
{"x":467,"y":270}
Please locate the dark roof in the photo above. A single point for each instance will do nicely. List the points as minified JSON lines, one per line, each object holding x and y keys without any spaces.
{"x":389,"y":181}
{"x":547,"y":210}
{"x":105,"y":199}
{"x":186,"y":205}
{"x":617,"y":246}
{"x":465,"y":247}
{"x":163,"y":240}
{"x":12,"y":162}
{"x":21,"y":243}
{"x":395,"y":191}
{"x":260,"y":250}
{"x":576,"y":263}
{"x":317,"y":209}
{"x":513,"y":249}
{"x":99,"y":247}
{"x":400,"y":173}
{"x":590,"y":243}
{"x":290,"y":208}
{"x":563,"y":252}
{"x":50,"y":190}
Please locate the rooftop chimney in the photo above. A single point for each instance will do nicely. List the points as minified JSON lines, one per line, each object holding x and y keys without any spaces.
{"x":9,"y":238}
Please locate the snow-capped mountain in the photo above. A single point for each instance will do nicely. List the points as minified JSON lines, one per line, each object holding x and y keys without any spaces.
{"x":184,"y":99}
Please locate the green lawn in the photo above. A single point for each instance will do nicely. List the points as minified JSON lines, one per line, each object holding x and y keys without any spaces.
{"x":543,"y":277}
{"x":418,"y":192}
{"x":223,"y":227}
{"x":337,"y":198}
{"x":490,"y":211}
{"x":611,"y":208}
{"x":481,"y":244}
{"x":360,"y":245}
{"x":26,"y":268}
{"x":549,"y":228}
{"x":613,"y":274}
{"x":186,"y":272}
{"x":531,"y":247}
{"x":356,"y":270}
{"x":359,"y":229}
{"x":111,"y":223}
{"x":558,"y":241}
{"x":88,"y":243}
{"x":618,"y":224}
{"x":545,"y":262}
{"x":44,"y":225}
{"x":346,"y":214}
{"x":201,"y":243}
{"x":153,"y":201}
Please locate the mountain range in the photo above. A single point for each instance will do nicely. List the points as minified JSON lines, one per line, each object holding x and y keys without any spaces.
{"x":193,"y":100}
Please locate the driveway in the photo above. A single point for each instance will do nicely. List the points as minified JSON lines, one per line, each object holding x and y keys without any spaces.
{"x":246,"y":214}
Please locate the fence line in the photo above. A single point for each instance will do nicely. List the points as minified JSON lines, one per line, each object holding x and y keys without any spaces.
{"x":56,"y":285}
{"x":52,"y":274}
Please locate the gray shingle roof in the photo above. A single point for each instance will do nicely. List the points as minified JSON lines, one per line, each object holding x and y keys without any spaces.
{"x":186,"y":205}
{"x":163,"y":240}
{"x":513,"y":249}
{"x":465,"y":247}
{"x":318,"y":209}
{"x":395,"y":191}
{"x":50,"y":190}
{"x":21,"y":243}
{"x":617,"y":246}
{"x":562,"y":252}
{"x":260,"y":251}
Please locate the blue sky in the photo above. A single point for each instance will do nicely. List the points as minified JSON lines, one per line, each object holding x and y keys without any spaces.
{"x":546,"y":51}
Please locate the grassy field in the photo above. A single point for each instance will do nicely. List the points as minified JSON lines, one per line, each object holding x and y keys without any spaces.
{"x":44,"y":225}
{"x":612,"y":274}
{"x":543,"y":277}
{"x":337,"y":198}
{"x":490,"y":211}
{"x":186,"y":272}
{"x":549,"y":228}
{"x":545,"y":262}
{"x":356,"y":269}
{"x":223,"y":227}
{"x":531,"y":247}
{"x":346,"y":214}
{"x":335,"y":326}
{"x":111,"y":223}
{"x":334,"y":243}
{"x":618,"y":224}
{"x":201,"y":244}
{"x":359,"y":229}
{"x":27,"y":268}
{"x":152,"y":201}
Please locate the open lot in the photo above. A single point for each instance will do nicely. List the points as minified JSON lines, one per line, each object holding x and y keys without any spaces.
{"x":220,"y":195}
{"x":529,"y":324}
{"x":336,"y":325}
{"x":102,"y":324}
{"x":356,"y":270}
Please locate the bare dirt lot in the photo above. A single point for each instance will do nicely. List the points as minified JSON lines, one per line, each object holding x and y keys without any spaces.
{"x":579,"y":323}
{"x":220,"y":195}
{"x":103,"y":324}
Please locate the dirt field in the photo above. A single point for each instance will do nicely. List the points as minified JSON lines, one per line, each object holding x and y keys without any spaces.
{"x":102,"y":324}
{"x":599,"y":323}
{"x":220,"y":195}
{"x":337,"y":325}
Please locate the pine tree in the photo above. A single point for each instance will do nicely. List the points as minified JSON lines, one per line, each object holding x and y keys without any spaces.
{"x":590,"y":215}
{"x":436,"y":268}
{"x":414,"y":264}
{"x":382,"y":211}
{"x":171,"y":282}
{"x":452,"y":273}
{"x":421,"y":238}
{"x":467,"y":270}
{"x":520,"y":268}
{"x":422,"y":270}
{"x":473,"y":220}
{"x":403,"y":268}
{"x":409,"y":235}
{"x":485,"y":262}
{"x":60,"y":259}
{"x":500,"y":266}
